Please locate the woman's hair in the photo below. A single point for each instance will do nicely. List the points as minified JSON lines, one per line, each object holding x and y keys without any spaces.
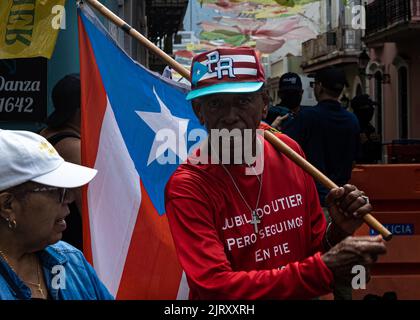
{"x":20,"y":191}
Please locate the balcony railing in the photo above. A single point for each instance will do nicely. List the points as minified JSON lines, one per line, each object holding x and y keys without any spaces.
{"x":341,"y":41}
{"x":164,"y":17}
{"x":384,"y":14}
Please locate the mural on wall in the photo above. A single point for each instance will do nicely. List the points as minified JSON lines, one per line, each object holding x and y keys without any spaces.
{"x":273,"y":27}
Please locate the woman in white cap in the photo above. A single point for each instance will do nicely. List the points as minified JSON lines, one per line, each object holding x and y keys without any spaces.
{"x":35,"y":190}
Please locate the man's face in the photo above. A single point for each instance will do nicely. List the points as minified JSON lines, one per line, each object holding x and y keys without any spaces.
{"x":364,"y":114}
{"x":291,"y":98}
{"x":317,"y":90}
{"x":232,"y":111}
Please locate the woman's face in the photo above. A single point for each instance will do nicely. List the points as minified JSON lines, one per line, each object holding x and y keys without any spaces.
{"x":39,"y":213}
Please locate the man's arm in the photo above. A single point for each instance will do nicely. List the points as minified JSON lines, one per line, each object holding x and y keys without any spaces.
{"x":341,"y":252}
{"x":296,"y":128}
{"x":347,"y":208}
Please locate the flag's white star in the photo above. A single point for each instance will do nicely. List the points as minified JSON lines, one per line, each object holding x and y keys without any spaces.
{"x":164,"y":120}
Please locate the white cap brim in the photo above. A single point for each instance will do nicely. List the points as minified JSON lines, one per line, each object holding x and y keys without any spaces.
{"x":67,"y":175}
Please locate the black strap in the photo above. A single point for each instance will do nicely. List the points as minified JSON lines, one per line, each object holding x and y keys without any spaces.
{"x":126,"y":28}
{"x":60,"y":136}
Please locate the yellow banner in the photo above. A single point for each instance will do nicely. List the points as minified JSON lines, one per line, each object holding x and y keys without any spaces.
{"x":29,"y":28}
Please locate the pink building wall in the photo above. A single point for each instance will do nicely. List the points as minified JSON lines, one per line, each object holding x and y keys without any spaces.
{"x":389,"y":57}
{"x":415,"y":88}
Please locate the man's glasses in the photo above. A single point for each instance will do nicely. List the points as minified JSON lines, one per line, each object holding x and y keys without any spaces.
{"x":62,"y":192}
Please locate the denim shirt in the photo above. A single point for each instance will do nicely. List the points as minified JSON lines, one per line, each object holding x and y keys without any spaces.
{"x":79,"y":278}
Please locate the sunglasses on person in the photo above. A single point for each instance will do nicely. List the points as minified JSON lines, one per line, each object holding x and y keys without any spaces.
{"x":62,"y":192}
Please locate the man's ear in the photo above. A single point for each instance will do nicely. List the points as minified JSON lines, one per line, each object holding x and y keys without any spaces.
{"x":266,"y":100}
{"x":197,"y":110}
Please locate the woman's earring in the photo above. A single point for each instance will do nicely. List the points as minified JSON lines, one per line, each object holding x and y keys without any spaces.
{"x":12,"y":223}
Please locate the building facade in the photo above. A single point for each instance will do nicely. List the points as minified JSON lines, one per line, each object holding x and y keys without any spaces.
{"x":339,"y":43}
{"x":392,"y":35}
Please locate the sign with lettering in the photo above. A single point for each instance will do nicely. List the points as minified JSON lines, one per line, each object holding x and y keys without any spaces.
{"x":29,"y":28}
{"x":23,"y":89}
{"x":397,"y":229}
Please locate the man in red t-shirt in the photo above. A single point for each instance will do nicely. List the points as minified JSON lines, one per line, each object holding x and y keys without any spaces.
{"x":262,"y":235}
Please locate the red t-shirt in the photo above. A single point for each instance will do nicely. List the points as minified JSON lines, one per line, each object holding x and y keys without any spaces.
{"x":221,"y":254}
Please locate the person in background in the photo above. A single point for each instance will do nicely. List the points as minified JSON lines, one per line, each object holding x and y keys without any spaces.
{"x":371,"y":146}
{"x":290,"y":93}
{"x":63,"y":132}
{"x":327,"y":133}
{"x":329,"y":137}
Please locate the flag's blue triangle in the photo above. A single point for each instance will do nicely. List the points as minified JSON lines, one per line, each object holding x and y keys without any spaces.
{"x":199,"y":70}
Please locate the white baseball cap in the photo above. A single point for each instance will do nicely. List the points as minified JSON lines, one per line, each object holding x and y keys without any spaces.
{"x":27,"y":156}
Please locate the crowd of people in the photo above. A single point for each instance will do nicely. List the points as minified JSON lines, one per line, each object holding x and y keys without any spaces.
{"x":275,"y":234}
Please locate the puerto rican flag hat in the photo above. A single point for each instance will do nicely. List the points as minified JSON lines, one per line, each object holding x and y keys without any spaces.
{"x":226,"y":70}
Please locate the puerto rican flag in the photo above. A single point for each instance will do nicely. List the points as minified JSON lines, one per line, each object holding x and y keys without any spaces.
{"x":124,"y":105}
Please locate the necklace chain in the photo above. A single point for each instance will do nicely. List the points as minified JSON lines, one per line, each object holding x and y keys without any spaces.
{"x":37,"y":285}
{"x":254,"y":215}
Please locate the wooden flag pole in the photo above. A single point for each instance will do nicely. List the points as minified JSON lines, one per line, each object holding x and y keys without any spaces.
{"x":137,"y":35}
{"x":276,"y":142}
{"x":319,"y":176}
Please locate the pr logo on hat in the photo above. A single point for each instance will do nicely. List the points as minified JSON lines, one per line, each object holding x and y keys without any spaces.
{"x":226,"y":70}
